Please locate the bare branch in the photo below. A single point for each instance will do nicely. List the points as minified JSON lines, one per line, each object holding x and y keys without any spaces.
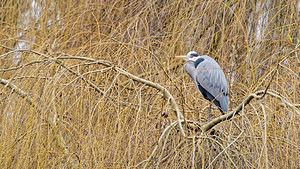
{"x":232,"y":113}
{"x":17,"y":90}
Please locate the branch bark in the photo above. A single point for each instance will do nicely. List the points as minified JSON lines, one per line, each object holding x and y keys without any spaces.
{"x":231,"y":114}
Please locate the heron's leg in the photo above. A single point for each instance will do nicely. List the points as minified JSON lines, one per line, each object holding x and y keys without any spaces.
{"x":209,"y":112}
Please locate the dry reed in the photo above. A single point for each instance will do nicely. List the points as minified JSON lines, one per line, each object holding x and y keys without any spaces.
{"x":93,"y":84}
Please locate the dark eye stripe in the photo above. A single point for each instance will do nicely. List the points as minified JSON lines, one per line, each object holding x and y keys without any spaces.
{"x":198,"y":61}
{"x":194,"y":54}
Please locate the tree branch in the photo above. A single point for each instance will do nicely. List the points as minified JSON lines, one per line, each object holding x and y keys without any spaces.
{"x":53,"y":123}
{"x":229,"y":115}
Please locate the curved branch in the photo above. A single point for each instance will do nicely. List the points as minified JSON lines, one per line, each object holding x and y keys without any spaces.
{"x":166,"y":93}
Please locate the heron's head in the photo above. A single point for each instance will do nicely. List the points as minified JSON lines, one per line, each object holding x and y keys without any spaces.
{"x":192,"y":55}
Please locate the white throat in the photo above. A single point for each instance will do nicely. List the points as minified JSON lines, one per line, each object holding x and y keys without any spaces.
{"x":194,"y":58}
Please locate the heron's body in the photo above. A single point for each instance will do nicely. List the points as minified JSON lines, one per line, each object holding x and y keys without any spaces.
{"x":209,"y":79}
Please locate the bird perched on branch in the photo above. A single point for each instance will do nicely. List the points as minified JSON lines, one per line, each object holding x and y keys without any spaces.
{"x":209,"y":79}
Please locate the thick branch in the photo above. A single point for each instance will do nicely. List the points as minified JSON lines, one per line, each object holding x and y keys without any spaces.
{"x":232,"y":113}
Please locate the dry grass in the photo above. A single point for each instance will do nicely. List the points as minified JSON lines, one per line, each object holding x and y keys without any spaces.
{"x":94,"y":84}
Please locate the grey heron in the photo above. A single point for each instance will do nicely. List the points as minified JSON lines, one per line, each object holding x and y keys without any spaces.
{"x":209,"y":79}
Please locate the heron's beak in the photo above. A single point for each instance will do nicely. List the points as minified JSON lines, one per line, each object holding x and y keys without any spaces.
{"x":181,"y":57}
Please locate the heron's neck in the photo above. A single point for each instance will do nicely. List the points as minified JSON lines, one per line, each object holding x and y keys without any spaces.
{"x":190,"y":69}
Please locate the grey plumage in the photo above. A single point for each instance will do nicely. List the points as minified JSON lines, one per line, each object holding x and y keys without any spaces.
{"x":209,"y":78}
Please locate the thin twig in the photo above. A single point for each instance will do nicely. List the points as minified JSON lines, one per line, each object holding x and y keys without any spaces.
{"x":17,"y":90}
{"x":165,"y":92}
{"x":24,"y":65}
{"x":165,"y":132}
{"x":53,"y":123}
{"x":265,"y":146}
{"x":225,"y":150}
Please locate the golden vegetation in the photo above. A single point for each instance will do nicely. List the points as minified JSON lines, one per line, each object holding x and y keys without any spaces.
{"x":89,"y":84}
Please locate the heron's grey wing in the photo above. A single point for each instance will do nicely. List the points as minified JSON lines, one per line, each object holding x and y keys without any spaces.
{"x":209,"y":97}
{"x":211,"y":78}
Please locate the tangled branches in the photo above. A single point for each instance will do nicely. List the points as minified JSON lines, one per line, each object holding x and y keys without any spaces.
{"x":157,"y":154}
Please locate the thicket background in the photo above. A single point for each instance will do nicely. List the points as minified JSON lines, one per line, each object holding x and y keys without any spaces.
{"x":61,"y":108}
